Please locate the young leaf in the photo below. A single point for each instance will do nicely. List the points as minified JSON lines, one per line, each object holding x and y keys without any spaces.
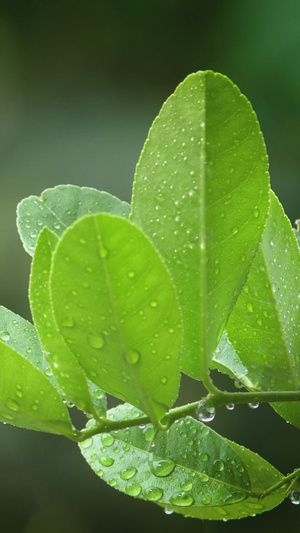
{"x":65,"y":367}
{"x":264,"y":326}
{"x":201,"y":194}
{"x":59,"y":207}
{"x":116,"y":308}
{"x":188,"y":466}
{"x":27,"y":398}
{"x":226,"y":360}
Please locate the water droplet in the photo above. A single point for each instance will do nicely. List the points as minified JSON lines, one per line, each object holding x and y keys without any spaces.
{"x":131,"y":274}
{"x":133,"y":489}
{"x":132,"y":357}
{"x":106,"y":461}
{"x":182,"y":499}
{"x":203,"y":456}
{"x":163,"y":380}
{"x":256,"y":212}
{"x":230,"y":406}
{"x":154,"y":303}
{"x":149,"y":433}
{"x":96,"y":341}
{"x":253,"y":405}
{"x":86,"y":443}
{"x":11,"y":404}
{"x":4,"y":336}
{"x":235,"y":497}
{"x":250,"y":307}
{"x":128,"y":473}
{"x":219,"y":465}
{"x":152,"y":494}
{"x":235,"y":230}
{"x":206,"y":500}
{"x":205,"y":414}
{"x":204,"y":478}
{"x":103,"y":252}
{"x":168,"y":511}
{"x":107,"y":439}
{"x":187,"y":486}
{"x":295,"y":497}
{"x":162,"y":467}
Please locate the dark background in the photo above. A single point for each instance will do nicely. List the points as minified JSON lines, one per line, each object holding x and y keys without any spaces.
{"x":80,"y":83}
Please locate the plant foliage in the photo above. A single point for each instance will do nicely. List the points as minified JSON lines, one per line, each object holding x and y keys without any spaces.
{"x":200,"y":272}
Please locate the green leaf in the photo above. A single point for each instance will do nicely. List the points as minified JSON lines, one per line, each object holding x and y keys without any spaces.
{"x":27,"y":398}
{"x":201,"y":194}
{"x":116,"y":309}
{"x":64,"y":365}
{"x":262,"y":476}
{"x":59,"y":207}
{"x":226,"y":360}
{"x":188,"y":466}
{"x":22,"y":336}
{"x":264,"y":326}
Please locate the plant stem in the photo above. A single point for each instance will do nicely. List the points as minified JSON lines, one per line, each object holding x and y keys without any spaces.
{"x":212,"y":400}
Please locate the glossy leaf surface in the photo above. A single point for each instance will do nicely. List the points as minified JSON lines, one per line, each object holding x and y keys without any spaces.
{"x":188,"y":466}
{"x":59,"y":207}
{"x":262,"y":475}
{"x":264,"y":326}
{"x":116,"y":309}
{"x":64,"y":365}
{"x":27,"y":398}
{"x":201,"y":194}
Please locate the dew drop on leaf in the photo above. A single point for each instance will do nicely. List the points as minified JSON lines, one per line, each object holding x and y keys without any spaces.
{"x":182,"y":499}
{"x":68,"y":322}
{"x":219,"y":465}
{"x":4,"y":336}
{"x":103,"y":253}
{"x":106,"y":460}
{"x":152,"y":494}
{"x":96,"y":341}
{"x":107,"y":439}
{"x":128,"y":473}
{"x":235,"y":497}
{"x":132,"y":357}
{"x":162,"y":467}
{"x":133,"y":489}
{"x":86,"y":443}
{"x":149,"y":433}
{"x":168,"y":511}
{"x":203,"y":456}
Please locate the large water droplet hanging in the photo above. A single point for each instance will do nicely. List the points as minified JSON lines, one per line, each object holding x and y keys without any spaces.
{"x":295,"y":497}
{"x":253,"y":405}
{"x":205,"y":414}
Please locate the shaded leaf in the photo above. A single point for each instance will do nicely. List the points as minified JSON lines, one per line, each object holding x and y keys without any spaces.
{"x":64,"y":365}
{"x":116,"y":309}
{"x":59,"y":207}
{"x":27,"y":398}
{"x":201,"y":194}
{"x":264,"y":326}
{"x":188,"y":466}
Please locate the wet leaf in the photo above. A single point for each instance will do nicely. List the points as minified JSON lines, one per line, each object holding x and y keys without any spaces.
{"x":201,"y":194}
{"x":27,"y":398}
{"x":59,"y":207}
{"x":264,"y":326}
{"x":188,"y":466}
{"x":64,"y":365}
{"x":116,"y":309}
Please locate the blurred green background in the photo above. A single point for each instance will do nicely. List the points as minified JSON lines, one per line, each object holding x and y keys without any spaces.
{"x":80,"y":83}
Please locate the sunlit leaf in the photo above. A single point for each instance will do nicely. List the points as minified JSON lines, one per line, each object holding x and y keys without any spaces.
{"x":264,"y":326}
{"x":262,"y":475}
{"x":27,"y":398}
{"x":64,"y":365}
{"x":116,"y":309}
{"x":201,"y":194}
{"x":188,"y":466}
{"x":59,"y":207}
